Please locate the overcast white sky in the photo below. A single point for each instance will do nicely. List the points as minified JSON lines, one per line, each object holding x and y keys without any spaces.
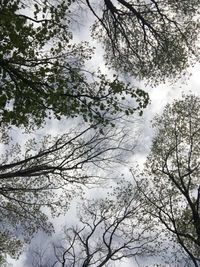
{"x":159,"y":96}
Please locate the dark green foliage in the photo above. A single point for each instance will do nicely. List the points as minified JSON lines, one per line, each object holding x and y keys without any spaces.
{"x":150,"y":39}
{"x":41,"y":70}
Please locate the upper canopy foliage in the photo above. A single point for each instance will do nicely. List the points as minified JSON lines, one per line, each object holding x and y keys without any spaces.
{"x":41,"y":69}
{"x":171,"y":187}
{"x":150,"y":39}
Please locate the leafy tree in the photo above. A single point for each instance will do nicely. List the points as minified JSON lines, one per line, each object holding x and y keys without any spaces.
{"x":42,"y":69}
{"x":42,"y":75}
{"x":45,"y":175}
{"x":108,"y":230}
{"x":171,"y":187}
{"x":152,"y":39}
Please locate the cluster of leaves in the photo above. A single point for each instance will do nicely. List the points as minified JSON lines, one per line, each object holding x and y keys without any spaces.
{"x":41,"y":70}
{"x":150,"y":39}
{"x":172,"y":189}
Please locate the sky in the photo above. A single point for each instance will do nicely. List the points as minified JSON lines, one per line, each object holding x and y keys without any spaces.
{"x":159,"y":95}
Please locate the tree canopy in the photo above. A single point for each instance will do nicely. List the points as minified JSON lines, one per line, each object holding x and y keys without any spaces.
{"x":171,"y":187}
{"x":150,"y":39}
{"x":43,"y":75}
{"x":46,"y":175}
{"x":42,"y":70}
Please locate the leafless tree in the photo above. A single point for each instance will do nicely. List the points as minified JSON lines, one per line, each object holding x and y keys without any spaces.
{"x":108,"y":230}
